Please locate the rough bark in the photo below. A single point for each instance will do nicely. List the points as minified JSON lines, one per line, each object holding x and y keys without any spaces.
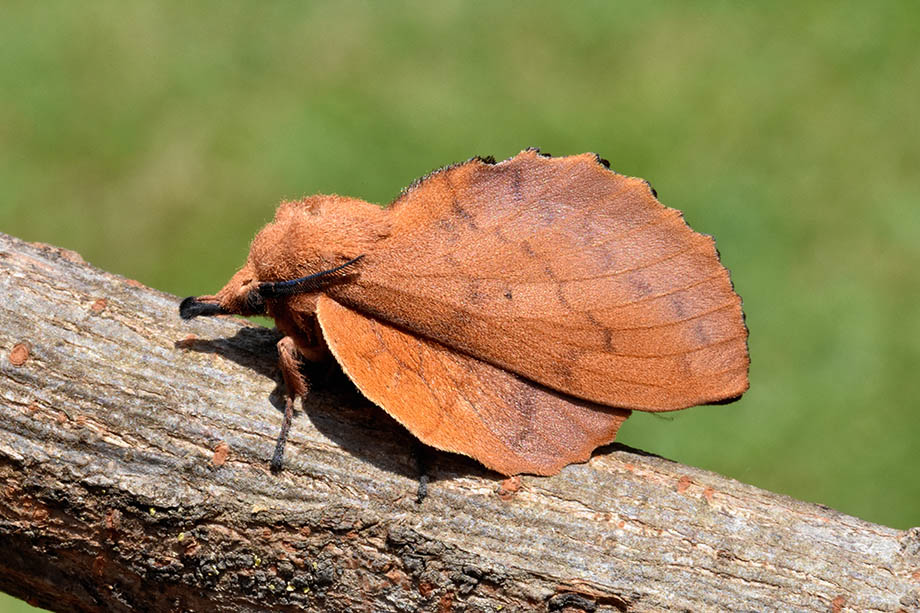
{"x":134,"y":466}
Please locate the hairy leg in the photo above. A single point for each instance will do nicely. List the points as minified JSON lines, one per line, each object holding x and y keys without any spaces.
{"x":289,"y":361}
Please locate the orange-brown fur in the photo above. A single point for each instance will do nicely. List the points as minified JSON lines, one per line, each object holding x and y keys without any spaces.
{"x":514,"y":312}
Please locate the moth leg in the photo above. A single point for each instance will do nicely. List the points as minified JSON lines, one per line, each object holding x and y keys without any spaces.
{"x":312,"y":347}
{"x":289,"y":357}
{"x":421,"y":453}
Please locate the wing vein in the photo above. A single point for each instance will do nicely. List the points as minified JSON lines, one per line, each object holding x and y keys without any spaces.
{"x":607,"y":275}
{"x":555,"y":322}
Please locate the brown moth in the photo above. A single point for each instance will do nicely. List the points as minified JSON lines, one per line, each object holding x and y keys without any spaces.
{"x":514,"y":312}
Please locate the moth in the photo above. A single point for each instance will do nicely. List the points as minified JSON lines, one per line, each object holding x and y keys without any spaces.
{"x":515,"y":312}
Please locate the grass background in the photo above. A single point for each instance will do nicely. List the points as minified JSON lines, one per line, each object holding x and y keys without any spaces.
{"x":155,"y":138}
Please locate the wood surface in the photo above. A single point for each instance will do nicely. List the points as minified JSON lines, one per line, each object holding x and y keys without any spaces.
{"x":134,"y":453}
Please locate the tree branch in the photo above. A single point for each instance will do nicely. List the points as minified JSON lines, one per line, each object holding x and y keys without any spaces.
{"x":135,"y":469}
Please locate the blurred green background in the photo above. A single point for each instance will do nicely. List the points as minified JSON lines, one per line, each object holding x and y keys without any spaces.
{"x":155,"y":138}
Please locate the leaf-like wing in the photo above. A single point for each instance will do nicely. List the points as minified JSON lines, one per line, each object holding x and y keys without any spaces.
{"x":458,"y":403}
{"x":566,"y":273}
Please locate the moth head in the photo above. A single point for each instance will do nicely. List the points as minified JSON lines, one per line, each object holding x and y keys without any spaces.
{"x":240,"y":296}
{"x":310,"y":244}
